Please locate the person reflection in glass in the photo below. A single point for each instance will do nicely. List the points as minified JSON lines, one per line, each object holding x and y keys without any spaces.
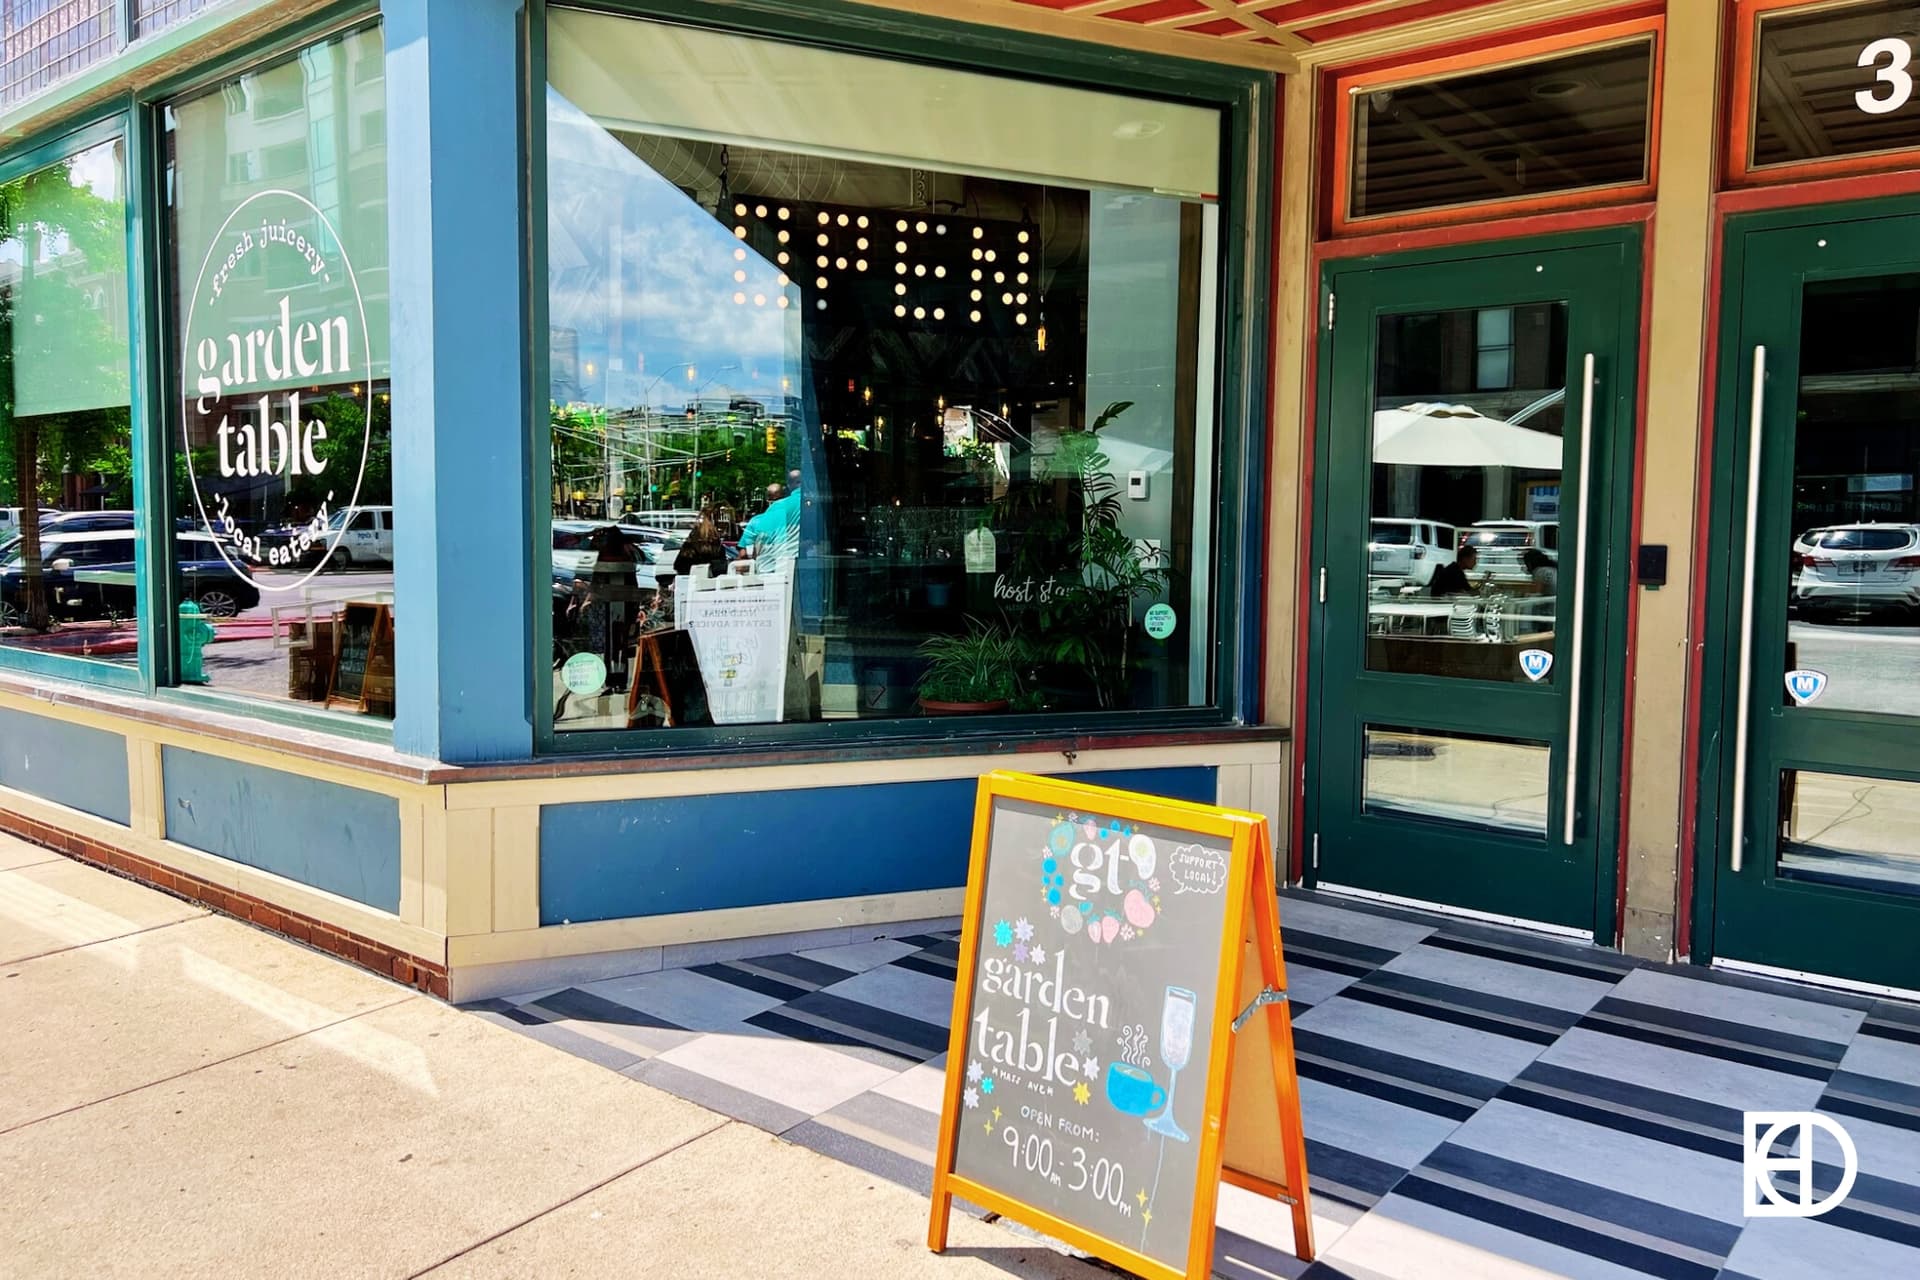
{"x":1451,"y":579}
{"x":1543,"y":577}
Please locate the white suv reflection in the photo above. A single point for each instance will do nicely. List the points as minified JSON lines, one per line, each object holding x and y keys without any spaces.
{"x":1857,"y":568}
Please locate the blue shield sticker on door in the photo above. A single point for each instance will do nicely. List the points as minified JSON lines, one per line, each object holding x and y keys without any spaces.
{"x":1536,"y":663}
{"x":1805,"y":686}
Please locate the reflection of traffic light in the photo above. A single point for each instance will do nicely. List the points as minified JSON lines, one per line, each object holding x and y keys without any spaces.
{"x":769,"y":437}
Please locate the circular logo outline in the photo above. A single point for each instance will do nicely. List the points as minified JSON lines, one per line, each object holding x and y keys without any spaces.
{"x":366,"y":435}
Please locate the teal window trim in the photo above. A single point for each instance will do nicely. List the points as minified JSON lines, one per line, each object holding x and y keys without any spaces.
{"x":1247,"y":101}
{"x":107,"y":123}
{"x":292,"y":715}
{"x":158,"y":377}
{"x":281,"y":42}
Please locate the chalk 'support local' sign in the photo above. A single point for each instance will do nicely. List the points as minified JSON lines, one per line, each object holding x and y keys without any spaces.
{"x":1110,"y":940}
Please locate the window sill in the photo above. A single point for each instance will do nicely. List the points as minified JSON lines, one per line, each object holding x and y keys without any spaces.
{"x":816,"y":753}
{"x":208,"y":717}
{"x":193,"y":715}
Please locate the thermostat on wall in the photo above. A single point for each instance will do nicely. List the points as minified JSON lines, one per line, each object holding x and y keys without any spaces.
{"x":1137,"y":485}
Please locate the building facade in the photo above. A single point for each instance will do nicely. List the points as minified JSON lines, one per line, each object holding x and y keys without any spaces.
{"x":512,"y":492}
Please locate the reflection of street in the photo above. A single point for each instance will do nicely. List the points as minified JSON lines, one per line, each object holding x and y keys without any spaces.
{"x":1862,"y":830}
{"x":1869,"y":668}
{"x":1461,"y":779}
{"x":245,"y":659}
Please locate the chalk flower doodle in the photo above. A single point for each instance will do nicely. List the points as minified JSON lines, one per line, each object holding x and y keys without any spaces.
{"x":973,"y":1073}
{"x":1023,"y":929}
{"x":1020,"y":952}
{"x":1082,"y":1094}
{"x":1003,"y":934}
{"x":1082,"y":1042}
{"x":986,"y":1086}
{"x":1038,"y":955}
{"x":971,"y":1097}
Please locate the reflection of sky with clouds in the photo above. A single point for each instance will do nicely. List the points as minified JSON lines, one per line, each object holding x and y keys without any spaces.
{"x":673,"y":301}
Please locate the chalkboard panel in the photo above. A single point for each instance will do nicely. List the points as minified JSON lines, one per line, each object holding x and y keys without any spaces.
{"x":362,"y":632}
{"x":1093,"y":1002}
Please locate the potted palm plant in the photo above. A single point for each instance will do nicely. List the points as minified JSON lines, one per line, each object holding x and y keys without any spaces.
{"x":971,"y":673}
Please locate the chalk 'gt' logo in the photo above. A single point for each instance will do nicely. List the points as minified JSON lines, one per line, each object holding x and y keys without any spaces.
{"x":275,"y":315}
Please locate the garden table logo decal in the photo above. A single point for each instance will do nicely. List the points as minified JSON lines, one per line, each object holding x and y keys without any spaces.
{"x":276,"y":332}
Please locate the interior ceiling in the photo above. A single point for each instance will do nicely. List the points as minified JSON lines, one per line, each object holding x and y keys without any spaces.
{"x":1279,"y":29}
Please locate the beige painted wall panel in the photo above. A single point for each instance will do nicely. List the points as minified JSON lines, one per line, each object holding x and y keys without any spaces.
{"x":1677,"y":362}
{"x":516,"y":868}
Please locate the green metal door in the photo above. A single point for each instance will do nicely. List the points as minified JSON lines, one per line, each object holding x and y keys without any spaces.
{"x":1811,"y":784}
{"x":1475,"y":432}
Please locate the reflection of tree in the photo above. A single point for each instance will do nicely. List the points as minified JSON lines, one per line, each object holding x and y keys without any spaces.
{"x":44,"y":211}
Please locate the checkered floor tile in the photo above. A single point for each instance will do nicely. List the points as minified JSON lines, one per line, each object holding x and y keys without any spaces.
{"x":1479,"y":1102}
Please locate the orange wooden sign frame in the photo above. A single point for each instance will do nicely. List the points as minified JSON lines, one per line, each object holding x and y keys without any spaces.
{"x":1251,"y":1135}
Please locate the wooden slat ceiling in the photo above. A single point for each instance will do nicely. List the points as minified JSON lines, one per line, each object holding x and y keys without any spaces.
{"x":1278,"y":34}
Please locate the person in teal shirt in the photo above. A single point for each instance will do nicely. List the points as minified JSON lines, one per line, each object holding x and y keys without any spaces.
{"x":772,"y":538}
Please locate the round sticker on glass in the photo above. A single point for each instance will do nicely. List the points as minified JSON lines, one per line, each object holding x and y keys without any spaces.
{"x":584,"y":674}
{"x":1160,"y":621}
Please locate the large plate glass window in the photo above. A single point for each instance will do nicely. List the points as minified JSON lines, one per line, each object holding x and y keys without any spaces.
{"x":877,"y":390}
{"x":68,"y":581}
{"x":276,"y":223}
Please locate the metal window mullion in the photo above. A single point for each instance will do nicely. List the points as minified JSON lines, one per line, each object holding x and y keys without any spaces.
{"x":153,"y":495}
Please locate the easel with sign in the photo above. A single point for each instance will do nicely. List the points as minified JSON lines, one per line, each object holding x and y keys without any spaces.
{"x":362,"y":658}
{"x":1245,"y":1130}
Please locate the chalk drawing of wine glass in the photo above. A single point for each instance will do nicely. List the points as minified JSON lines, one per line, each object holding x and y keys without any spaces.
{"x":1176,"y":1046}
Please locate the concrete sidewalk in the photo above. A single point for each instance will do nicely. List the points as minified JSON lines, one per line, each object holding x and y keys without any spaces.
{"x":181,"y":1094}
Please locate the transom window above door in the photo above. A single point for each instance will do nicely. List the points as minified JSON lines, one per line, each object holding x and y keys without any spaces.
{"x":1535,"y":124}
{"x":1824,"y":89}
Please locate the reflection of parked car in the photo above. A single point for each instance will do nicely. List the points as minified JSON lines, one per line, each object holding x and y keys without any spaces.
{"x":574,"y":558}
{"x":1409,"y":549}
{"x":10,"y":519}
{"x":1502,"y":544}
{"x":1857,"y":568}
{"x":91,"y":575}
{"x":365,"y":537}
{"x":56,"y":522}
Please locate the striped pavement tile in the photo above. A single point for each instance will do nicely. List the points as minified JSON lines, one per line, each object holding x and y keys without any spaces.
{"x":1480,"y":1102}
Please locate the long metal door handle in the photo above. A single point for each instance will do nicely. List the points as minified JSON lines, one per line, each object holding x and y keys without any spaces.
{"x":1579,"y":596}
{"x":1743,"y":709}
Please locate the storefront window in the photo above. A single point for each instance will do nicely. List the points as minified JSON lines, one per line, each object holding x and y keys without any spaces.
{"x":281,"y":480}
{"x":67,"y":537}
{"x":1573,"y":123}
{"x":877,"y":390}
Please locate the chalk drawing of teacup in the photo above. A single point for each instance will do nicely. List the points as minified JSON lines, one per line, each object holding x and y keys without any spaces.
{"x":1132,"y":1090}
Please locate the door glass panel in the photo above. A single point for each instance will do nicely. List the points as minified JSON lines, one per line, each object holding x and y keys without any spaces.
{"x":1853,"y":612}
{"x":1456,"y":777}
{"x":1861,"y":832}
{"x":1462,"y":572}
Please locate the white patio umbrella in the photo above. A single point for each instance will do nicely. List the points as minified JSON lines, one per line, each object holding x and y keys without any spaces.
{"x":1457,"y":435}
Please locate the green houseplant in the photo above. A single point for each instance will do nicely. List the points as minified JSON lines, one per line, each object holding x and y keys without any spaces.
{"x":1087,"y":622}
{"x":976,"y":671}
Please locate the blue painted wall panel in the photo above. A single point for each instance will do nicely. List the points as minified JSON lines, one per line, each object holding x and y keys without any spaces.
{"x":318,"y":833}
{"x":617,"y":858}
{"x":69,"y":764}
